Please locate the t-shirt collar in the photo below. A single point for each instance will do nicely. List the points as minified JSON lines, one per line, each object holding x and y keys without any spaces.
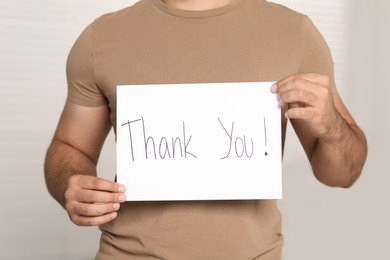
{"x":196,"y":14}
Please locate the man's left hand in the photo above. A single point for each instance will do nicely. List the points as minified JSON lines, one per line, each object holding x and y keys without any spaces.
{"x":309,"y":97}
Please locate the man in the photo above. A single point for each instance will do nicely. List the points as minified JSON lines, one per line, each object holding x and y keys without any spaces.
{"x":195,"y":41}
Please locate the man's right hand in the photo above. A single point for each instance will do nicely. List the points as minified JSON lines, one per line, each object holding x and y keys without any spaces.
{"x":92,"y":201}
{"x":70,"y":166}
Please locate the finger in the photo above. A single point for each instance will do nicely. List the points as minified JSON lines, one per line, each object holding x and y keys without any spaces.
{"x":312,"y":77}
{"x":95,"y":183}
{"x":298,"y":96}
{"x":274,"y":88}
{"x":94,"y":196}
{"x":93,"y":221}
{"x":303,"y":113}
{"x":94,"y":210}
{"x":298,"y":84}
{"x":286,"y":95}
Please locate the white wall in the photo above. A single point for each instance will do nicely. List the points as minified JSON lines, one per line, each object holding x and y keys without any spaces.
{"x":35,"y":38}
{"x":319,"y":222}
{"x":324,"y":223}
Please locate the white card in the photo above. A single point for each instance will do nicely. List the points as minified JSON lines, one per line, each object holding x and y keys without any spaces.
{"x":217,"y":141}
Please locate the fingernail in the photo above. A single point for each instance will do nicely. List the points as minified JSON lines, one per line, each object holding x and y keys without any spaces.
{"x":274,"y":87}
{"x":116,"y":206}
{"x":286,"y":115}
{"x":122,"y":198}
{"x":280,"y":102}
{"x":113,"y":215}
{"x":121,"y":189}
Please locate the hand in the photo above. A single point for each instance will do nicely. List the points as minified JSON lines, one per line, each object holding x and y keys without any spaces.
{"x":309,"y":97}
{"x":92,"y":201}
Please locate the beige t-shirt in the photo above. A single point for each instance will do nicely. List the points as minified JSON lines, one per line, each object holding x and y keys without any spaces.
{"x":152,"y":43}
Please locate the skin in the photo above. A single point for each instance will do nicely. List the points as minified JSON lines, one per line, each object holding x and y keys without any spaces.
{"x":196,"y":5}
{"x":335,"y":146}
{"x":70,"y":166}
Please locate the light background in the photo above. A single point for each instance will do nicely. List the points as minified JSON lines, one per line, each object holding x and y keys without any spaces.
{"x":319,"y":222}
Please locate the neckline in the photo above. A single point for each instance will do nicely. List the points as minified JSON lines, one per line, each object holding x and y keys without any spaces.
{"x":196,"y":14}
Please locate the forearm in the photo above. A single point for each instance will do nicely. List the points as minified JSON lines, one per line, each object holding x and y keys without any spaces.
{"x":338,"y":158}
{"x":62,"y":161}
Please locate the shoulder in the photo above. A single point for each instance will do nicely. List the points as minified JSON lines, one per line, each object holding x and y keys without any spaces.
{"x":281,"y":21}
{"x":124,"y":16}
{"x":281,"y":17}
{"x":281,"y":11}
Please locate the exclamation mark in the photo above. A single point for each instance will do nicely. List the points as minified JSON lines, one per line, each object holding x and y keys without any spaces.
{"x":265,"y":137}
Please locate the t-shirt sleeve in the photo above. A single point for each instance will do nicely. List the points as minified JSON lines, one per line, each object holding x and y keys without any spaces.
{"x":316,"y":55}
{"x":83,"y":88}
